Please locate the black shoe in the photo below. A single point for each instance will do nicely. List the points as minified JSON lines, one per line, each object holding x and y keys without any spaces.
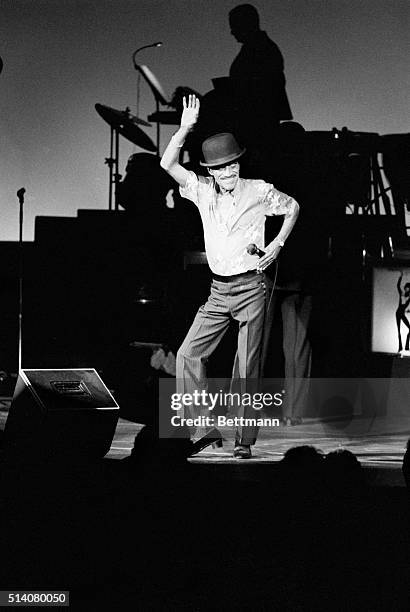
{"x":213,"y":437}
{"x":242,"y":451}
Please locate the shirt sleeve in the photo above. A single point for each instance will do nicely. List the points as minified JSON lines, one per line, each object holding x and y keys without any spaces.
{"x":197,"y":188}
{"x":275,"y":202}
{"x":191,"y":187}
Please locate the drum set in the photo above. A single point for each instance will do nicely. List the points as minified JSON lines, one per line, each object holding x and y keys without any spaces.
{"x":122,"y":123}
{"x":359,"y":151}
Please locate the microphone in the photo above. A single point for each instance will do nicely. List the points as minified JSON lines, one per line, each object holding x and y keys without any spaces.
{"x":156,"y":44}
{"x":20,"y":195}
{"x":252,"y":249}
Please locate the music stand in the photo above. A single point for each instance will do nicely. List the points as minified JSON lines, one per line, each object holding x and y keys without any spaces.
{"x":157,"y":91}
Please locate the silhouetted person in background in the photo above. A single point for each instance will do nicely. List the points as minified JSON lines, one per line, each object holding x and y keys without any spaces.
{"x":300,"y":267}
{"x":252,"y":101}
{"x":404,"y":301}
{"x":144,"y":186}
{"x":259,"y":59}
{"x":259,"y":84}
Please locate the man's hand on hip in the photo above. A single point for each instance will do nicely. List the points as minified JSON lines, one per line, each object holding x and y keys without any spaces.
{"x":271,"y":253}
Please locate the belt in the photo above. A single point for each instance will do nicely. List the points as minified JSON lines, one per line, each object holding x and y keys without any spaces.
{"x":235,"y":277}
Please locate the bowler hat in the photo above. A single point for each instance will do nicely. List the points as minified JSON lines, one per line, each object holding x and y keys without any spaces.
{"x":220,"y":149}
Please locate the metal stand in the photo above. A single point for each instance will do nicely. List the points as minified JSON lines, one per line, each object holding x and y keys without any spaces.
{"x":20,"y":195}
{"x":158,"y":126}
{"x":157,"y":92}
{"x":377,"y":199}
{"x":155,"y":87}
{"x":113,"y":164}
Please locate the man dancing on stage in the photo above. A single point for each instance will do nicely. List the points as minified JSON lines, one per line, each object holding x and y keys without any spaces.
{"x":233,"y":214}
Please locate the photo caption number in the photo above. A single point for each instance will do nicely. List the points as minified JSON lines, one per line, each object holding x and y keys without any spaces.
{"x":34,"y":598}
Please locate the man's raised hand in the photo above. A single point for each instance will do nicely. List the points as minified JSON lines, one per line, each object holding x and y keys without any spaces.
{"x":170,"y":157}
{"x":190,"y":112}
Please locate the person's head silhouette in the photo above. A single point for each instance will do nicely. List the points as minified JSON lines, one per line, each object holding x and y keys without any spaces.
{"x":244,"y":22}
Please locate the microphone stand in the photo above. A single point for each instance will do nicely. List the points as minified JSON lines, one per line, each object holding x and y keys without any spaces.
{"x":158,"y":44}
{"x":20,"y":195}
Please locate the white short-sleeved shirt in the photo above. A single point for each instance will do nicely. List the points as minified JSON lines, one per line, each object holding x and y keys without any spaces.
{"x":233,"y":221}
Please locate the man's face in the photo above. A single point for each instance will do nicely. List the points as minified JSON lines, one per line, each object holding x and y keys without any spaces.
{"x":226,"y":176}
{"x":243,"y":26}
{"x":238,"y":34}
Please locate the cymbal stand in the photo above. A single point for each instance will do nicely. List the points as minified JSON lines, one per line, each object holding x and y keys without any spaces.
{"x":156,"y":90}
{"x":158,"y":126}
{"x":113,"y":163}
{"x":20,"y":196}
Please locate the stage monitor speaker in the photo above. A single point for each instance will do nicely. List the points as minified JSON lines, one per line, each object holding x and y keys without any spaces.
{"x":60,"y":414}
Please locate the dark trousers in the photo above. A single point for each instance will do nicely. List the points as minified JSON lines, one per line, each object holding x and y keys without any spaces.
{"x":296,"y":309}
{"x":243,"y":299}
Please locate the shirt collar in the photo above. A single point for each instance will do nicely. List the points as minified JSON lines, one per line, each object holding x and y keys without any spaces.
{"x":235,"y":192}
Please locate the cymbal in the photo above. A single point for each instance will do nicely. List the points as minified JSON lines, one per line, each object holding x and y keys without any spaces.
{"x":126,"y":125}
{"x":165,"y":117}
{"x":135,"y":135}
{"x":113,"y":116}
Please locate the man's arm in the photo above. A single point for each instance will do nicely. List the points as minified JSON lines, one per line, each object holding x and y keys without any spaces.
{"x":170,"y":158}
{"x":272,"y":250}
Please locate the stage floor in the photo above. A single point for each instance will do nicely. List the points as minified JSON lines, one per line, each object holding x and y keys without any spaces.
{"x":378,"y":443}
